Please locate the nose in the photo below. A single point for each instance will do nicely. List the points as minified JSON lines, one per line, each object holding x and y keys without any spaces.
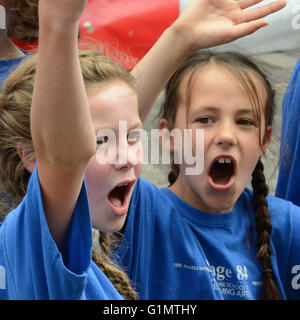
{"x":225,"y":136}
{"x":127,"y":156}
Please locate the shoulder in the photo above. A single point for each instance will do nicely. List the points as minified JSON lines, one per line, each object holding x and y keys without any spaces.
{"x":149,"y":206}
{"x":285,"y":215}
{"x":282,"y":212}
{"x":145,"y":193}
{"x":8,"y":66}
{"x":282,"y":209}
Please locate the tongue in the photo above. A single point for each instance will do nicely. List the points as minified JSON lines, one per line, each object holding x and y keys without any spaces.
{"x":116,"y":201}
{"x":116,"y":196}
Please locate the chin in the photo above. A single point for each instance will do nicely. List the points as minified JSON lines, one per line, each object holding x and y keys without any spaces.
{"x":110,"y":226}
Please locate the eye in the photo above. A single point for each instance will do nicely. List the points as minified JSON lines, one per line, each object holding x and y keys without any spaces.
{"x":102,"y":139}
{"x":205,"y":120}
{"x":134,"y":136}
{"x":246,"y":122}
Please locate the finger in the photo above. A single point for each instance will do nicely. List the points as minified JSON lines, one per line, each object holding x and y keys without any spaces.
{"x":263,"y":11}
{"x":247,"y":28}
{"x":244,"y":4}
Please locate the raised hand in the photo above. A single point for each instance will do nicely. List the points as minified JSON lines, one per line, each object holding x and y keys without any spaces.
{"x":61,"y":126}
{"x":203,"y":24}
{"x":214,"y":22}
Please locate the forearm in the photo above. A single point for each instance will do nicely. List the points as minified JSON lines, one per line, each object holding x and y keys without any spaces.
{"x":61,"y":126}
{"x":60,"y":117}
{"x":155,"y":69}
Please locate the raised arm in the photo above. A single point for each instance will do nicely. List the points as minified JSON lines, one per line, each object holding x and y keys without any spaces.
{"x":203,"y":24}
{"x":61,"y":126}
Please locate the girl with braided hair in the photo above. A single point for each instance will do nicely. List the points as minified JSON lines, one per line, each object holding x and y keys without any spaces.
{"x":54,"y":110}
{"x":208,"y":236}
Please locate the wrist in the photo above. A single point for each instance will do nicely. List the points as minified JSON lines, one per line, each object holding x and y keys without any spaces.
{"x":58,"y":28}
{"x":54,"y":20}
{"x":184,"y":37}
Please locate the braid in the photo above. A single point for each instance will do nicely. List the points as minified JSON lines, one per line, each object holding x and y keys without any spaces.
{"x":174,"y":173}
{"x":116,"y":276}
{"x":263,"y":228}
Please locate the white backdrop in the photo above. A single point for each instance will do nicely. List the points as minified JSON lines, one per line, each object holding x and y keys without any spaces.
{"x":282,"y":34}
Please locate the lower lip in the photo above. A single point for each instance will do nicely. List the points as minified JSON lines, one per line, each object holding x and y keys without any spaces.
{"x":121,"y":211}
{"x":118,"y":211}
{"x":221,"y":187}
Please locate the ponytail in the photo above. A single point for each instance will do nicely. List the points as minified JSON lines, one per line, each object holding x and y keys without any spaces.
{"x":263,"y":228}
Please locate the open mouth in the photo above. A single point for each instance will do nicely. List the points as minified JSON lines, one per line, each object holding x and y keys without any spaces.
{"x":221,"y":171}
{"x":118,"y":198}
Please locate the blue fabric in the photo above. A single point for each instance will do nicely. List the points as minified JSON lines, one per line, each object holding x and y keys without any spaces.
{"x":7,"y":66}
{"x":288,"y":184}
{"x":32,"y":267}
{"x":174,"y":251}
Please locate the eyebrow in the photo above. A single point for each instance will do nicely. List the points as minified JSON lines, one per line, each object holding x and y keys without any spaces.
{"x":215,"y":109}
{"x":246,"y":111}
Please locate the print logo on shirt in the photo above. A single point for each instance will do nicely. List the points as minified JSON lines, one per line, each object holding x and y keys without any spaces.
{"x":2,"y":278}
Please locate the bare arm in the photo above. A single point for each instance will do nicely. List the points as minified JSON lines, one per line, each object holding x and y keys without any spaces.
{"x":203,"y":24}
{"x":61,"y":126}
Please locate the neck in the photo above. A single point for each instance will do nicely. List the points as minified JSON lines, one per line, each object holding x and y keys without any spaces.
{"x":8,"y":49}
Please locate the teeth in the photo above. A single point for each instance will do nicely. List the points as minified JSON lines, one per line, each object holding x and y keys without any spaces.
{"x":121,"y":185}
{"x":224,"y":160}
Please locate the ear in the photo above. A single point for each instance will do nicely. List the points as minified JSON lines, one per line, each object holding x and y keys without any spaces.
{"x":166,"y":140}
{"x":267,"y":139}
{"x":27,"y":156}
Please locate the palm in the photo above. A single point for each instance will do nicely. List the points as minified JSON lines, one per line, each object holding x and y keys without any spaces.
{"x":215,"y":22}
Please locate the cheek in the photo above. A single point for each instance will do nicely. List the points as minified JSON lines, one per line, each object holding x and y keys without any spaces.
{"x":138,"y":169}
{"x":95,"y":175}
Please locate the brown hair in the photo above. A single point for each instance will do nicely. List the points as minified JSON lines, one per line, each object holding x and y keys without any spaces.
{"x":242,"y":67}
{"x":15,"y":103}
{"x":24,"y":22}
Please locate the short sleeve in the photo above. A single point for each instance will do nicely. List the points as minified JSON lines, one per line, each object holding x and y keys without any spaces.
{"x":34,"y":267}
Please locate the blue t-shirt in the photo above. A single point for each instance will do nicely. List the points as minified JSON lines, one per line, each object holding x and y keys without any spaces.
{"x":32,"y":267}
{"x":174,"y":251}
{"x":7,"y":66}
{"x":288,"y":184}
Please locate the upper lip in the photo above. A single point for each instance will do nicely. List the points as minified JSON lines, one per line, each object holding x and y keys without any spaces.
{"x":223,"y":156}
{"x":128,"y":181}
